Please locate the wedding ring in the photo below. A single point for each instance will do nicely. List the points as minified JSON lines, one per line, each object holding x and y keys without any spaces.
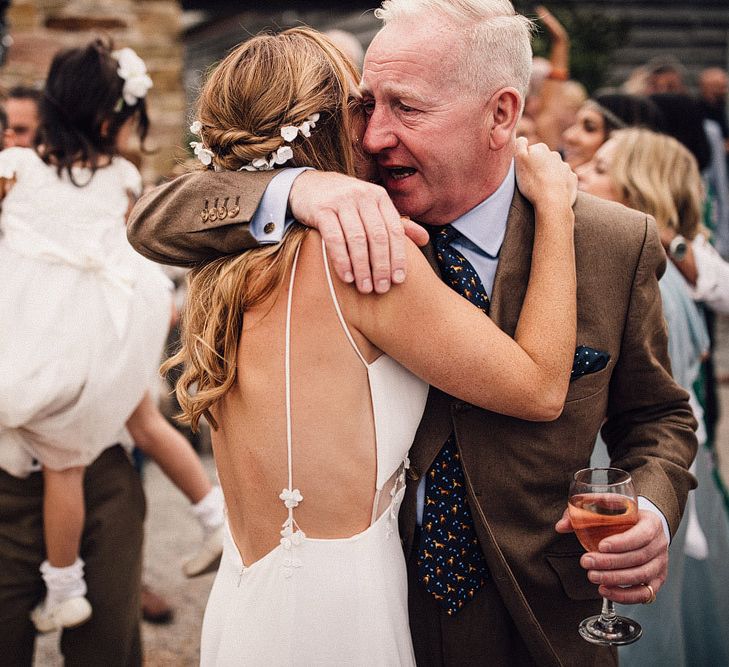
{"x":652,"y":597}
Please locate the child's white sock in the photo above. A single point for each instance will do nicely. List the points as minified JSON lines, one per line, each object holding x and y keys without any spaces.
{"x":63,"y":583}
{"x":210,"y":510}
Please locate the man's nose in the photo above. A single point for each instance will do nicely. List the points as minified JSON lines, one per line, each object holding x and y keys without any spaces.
{"x":379,"y":134}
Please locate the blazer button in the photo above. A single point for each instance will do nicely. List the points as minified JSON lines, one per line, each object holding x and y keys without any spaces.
{"x":413,"y":473}
{"x":269,"y":227}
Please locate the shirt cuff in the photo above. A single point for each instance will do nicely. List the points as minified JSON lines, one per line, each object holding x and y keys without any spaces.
{"x":269,"y":222}
{"x":645,"y":504}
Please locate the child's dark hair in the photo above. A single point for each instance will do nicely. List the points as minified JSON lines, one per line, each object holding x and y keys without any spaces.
{"x":82,"y":109}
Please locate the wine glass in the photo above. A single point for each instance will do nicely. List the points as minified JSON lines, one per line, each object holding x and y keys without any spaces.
{"x":601,"y":503}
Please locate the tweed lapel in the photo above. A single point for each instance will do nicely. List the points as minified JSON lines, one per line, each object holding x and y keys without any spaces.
{"x":512,"y":273}
{"x":507,"y":297}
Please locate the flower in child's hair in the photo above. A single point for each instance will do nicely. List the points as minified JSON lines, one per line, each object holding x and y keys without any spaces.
{"x":201,"y":153}
{"x":134,"y":73}
{"x":196,"y":128}
{"x":291,"y":498}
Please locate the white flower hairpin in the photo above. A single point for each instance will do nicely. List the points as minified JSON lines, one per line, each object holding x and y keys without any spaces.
{"x":280,"y":156}
{"x":284,"y":153}
{"x":133,"y":71}
{"x":205,"y":155}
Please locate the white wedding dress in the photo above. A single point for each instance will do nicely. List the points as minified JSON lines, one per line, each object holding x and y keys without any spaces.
{"x":326,"y":601}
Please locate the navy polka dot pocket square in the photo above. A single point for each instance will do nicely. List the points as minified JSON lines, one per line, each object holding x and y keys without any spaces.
{"x":587,"y":360}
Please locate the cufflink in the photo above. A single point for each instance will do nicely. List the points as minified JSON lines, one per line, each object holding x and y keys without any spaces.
{"x":269,"y":227}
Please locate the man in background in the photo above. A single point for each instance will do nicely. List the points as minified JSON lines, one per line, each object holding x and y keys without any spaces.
{"x":21,"y":106}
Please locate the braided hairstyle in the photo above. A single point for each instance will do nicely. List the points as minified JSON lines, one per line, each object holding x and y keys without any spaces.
{"x":272,"y":81}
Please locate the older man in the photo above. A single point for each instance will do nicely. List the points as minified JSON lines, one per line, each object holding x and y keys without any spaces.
{"x":443,"y":86}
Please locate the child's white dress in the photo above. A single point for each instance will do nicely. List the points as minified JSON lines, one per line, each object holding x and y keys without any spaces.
{"x":83,"y":318}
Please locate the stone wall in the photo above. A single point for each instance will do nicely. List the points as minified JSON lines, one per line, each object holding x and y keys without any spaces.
{"x":151,"y":27}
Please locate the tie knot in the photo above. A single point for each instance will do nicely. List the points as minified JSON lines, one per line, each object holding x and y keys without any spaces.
{"x":445,"y":236}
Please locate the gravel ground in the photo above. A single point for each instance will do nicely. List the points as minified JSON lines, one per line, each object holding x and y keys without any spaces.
{"x":172,"y":532}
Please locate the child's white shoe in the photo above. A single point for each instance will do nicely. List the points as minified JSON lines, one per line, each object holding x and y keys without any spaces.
{"x":208,"y":556}
{"x":210,"y":512}
{"x":66,"y":614}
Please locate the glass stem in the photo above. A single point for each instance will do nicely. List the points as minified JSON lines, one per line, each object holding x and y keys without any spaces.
{"x":607,"y":615}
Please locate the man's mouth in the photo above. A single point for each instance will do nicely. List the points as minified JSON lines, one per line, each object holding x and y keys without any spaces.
{"x":399,"y":173}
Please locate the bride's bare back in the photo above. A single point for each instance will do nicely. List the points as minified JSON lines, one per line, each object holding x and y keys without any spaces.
{"x":333,"y":434}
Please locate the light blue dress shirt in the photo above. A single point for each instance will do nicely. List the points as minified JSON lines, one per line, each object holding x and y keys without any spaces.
{"x":483,"y":229}
{"x":274,"y":207}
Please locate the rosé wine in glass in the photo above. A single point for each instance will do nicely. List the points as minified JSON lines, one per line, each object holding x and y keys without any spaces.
{"x":602,"y":503}
{"x":596,"y":516}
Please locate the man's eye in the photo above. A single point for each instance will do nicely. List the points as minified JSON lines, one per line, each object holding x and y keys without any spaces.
{"x":406,"y":109}
{"x":368,"y":106}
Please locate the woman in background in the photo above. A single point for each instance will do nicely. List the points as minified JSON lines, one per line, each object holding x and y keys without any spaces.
{"x":656,"y":174}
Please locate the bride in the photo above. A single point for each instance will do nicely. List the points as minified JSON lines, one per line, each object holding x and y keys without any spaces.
{"x":315,"y":391}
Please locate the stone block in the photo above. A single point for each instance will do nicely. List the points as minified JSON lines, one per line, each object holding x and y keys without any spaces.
{"x":22,"y":16}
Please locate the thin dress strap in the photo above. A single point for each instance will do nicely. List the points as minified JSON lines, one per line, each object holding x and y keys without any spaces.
{"x":291,"y":534}
{"x":288,"y":369}
{"x":336,"y":304}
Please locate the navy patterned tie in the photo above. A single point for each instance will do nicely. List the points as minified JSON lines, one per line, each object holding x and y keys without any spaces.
{"x":451,"y":564}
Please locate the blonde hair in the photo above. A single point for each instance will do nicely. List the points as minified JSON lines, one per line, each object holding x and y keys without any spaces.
{"x":272,"y":81}
{"x":264,"y":84}
{"x":658,"y":175}
{"x":495,"y":40}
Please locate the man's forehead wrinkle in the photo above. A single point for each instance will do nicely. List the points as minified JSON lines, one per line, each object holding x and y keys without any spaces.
{"x":399,"y":71}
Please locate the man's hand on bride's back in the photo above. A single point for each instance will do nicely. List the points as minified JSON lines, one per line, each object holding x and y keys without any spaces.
{"x":363,"y":232}
{"x":543,"y":177}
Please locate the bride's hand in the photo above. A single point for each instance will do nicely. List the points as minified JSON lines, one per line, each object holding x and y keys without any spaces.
{"x":543,"y":177}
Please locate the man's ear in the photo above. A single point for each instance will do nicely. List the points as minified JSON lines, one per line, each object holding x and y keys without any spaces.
{"x":505,"y":107}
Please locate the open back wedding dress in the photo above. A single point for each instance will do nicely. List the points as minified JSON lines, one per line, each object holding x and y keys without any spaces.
{"x":325,"y":601}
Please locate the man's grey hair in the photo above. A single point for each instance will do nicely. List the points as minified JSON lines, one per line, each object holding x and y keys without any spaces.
{"x":496,"y":41}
